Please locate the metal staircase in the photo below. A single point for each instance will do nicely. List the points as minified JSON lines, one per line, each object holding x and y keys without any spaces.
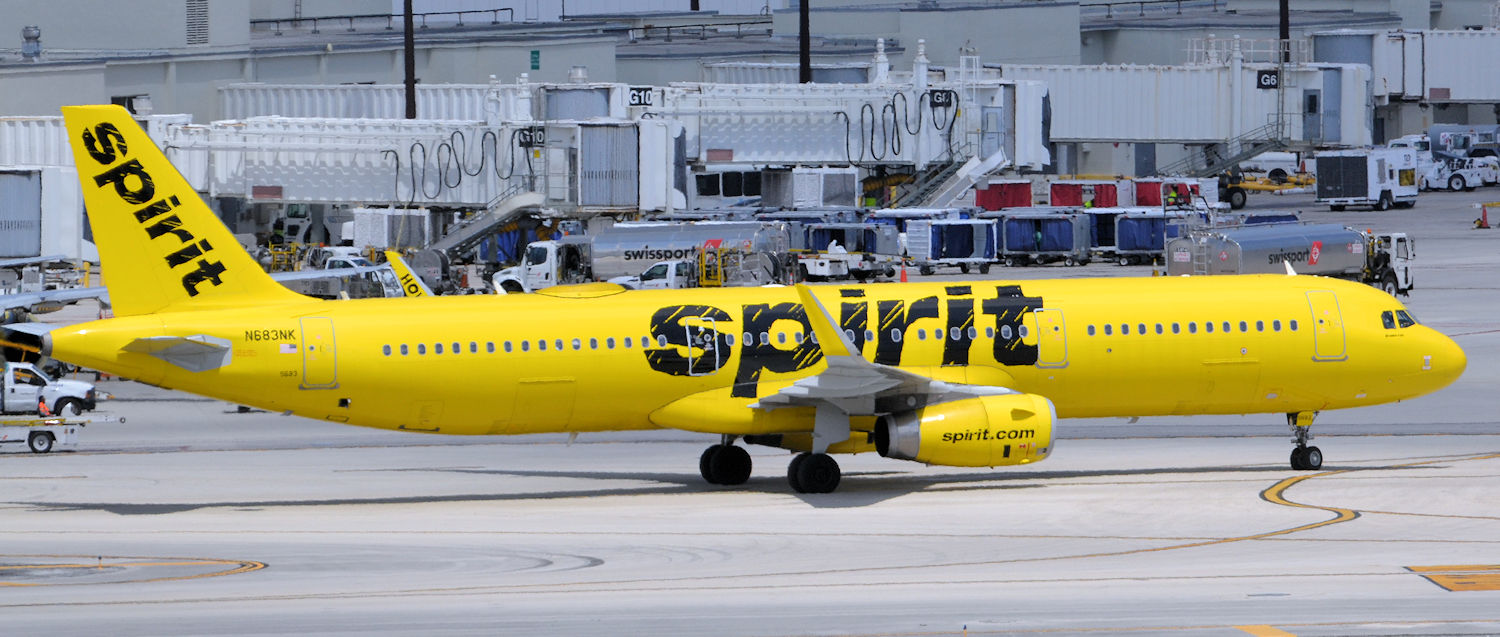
{"x":927,"y":182}
{"x":509,"y":206}
{"x":940,"y":186}
{"x":1217,"y":158}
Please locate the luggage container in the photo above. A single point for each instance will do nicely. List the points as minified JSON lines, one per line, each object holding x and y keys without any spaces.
{"x":1003,"y":194}
{"x":965,"y":243}
{"x":1140,"y":237}
{"x":1040,"y":238}
{"x":1095,"y":193}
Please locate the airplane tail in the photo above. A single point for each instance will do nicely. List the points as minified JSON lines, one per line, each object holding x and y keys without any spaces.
{"x":410,"y":282}
{"x":161,"y":246}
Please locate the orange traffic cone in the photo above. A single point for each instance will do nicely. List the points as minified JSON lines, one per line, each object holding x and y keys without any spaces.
{"x":903,"y":273}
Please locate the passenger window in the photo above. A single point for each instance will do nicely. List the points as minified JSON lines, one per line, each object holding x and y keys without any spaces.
{"x":559,"y":343}
{"x":781,"y":338}
{"x":1022,"y":331}
{"x":973,"y":333}
{"x":797,"y":337}
{"x":421,"y":348}
{"x":1226,"y":327}
{"x":1292,"y":324}
{"x":525,"y":346}
{"x":849,"y":334}
{"x":541,"y":345}
{"x":989,"y":332}
{"x":646,"y":341}
{"x":1208,"y":327}
{"x":403,"y":349}
{"x":728,"y":340}
{"x":1005,"y":331}
{"x":474,"y":347}
{"x":1260,"y":326}
{"x":437,"y":348}
{"x":1176,"y":328}
{"x":1404,"y":319}
{"x":1140,"y":329}
{"x":593,"y":343}
{"x":1244,"y":327}
{"x":1388,"y":319}
{"x":661,"y":341}
{"x":896,"y":335}
{"x":1108,"y":330}
{"x":1124,"y":329}
{"x":490,"y":347}
{"x":869,"y":335}
{"x":1158,"y":328}
{"x":386,"y":349}
{"x":1192,"y":327}
{"x":609,"y":343}
{"x":507,"y":347}
{"x":457,"y":348}
{"x":765,"y":338}
{"x":1091,"y":330}
{"x":1276,"y":325}
{"x":577,"y":344}
{"x":627,"y":341}
{"x":921,"y":335}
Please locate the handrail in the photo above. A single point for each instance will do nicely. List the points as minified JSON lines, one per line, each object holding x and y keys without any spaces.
{"x":390,"y":19}
{"x":701,"y":30}
{"x":1109,"y":7}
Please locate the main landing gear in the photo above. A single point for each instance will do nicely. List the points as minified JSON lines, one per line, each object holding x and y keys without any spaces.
{"x":1304,"y":458}
{"x":725,"y":463}
{"x":729,"y":465}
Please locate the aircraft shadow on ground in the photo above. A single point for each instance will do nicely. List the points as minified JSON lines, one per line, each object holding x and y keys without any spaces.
{"x":858,"y":489}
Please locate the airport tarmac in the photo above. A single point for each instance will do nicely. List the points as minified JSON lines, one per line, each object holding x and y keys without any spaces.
{"x":194,"y":518}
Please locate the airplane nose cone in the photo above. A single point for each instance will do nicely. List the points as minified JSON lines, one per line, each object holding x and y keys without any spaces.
{"x":1447,"y":361}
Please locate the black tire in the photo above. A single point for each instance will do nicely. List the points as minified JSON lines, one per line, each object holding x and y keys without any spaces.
{"x":890,"y":272}
{"x":817,"y":473}
{"x":68,"y":408}
{"x":1069,"y":262}
{"x":1277,"y":176}
{"x":1008,"y":262}
{"x":732,"y":465}
{"x":984,"y":268}
{"x":793,"y":474}
{"x":1237,"y":198}
{"x":1388,"y":284}
{"x":1456,"y":183}
{"x":1312,"y":459}
{"x":1297,"y":464}
{"x":1385,"y":202}
{"x":39,"y":442}
{"x":1336,"y":208}
{"x":706,"y":464}
{"x":963,"y":267}
{"x":925,"y":270}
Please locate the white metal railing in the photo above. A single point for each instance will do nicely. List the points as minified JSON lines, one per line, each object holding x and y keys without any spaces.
{"x":1262,"y":50}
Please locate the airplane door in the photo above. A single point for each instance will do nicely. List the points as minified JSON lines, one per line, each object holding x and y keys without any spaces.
{"x":23,"y":391}
{"x":1328,"y":326}
{"x":319,"y":370}
{"x":1051,"y":341}
{"x":702,"y":345}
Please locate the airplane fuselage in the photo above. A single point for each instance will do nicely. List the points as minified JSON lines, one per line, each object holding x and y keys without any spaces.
{"x":607,"y":360}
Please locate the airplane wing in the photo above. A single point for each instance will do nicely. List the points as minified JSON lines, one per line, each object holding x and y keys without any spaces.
{"x":857,"y":386}
{"x":301,"y":275}
{"x":25,"y":261}
{"x":50,"y":300}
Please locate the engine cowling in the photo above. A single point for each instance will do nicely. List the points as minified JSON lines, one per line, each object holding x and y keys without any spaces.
{"x":987,"y":431}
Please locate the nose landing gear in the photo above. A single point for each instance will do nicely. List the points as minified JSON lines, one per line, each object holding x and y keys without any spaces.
{"x":1304,"y":458}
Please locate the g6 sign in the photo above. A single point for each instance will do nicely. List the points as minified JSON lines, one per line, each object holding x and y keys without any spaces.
{"x":1267,"y":79}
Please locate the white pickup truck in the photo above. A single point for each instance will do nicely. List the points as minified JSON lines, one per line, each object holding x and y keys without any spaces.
{"x":25,"y":388}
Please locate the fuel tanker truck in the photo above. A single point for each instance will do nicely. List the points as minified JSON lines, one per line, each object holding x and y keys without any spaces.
{"x":1381,"y":259}
{"x":658,"y":255}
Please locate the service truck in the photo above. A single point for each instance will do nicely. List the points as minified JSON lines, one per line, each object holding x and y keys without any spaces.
{"x":840,"y":250}
{"x":729,"y":253}
{"x":1377,"y":177}
{"x":26,"y":391}
{"x":1381,"y":259}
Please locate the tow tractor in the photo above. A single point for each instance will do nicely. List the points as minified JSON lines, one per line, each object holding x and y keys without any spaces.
{"x":42,"y":435}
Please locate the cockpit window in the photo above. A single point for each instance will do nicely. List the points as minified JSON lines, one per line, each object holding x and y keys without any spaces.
{"x":1388,"y":319}
{"x":1404,"y":319}
{"x":1397,"y":319}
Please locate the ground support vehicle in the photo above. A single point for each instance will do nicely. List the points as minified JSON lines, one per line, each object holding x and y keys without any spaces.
{"x":46,"y":434}
{"x":1381,"y":178}
{"x":26,"y":388}
{"x":755,"y":253}
{"x":863,"y":251}
{"x":1040,"y":238}
{"x":1235,"y":188}
{"x":962,"y":243}
{"x":1459,"y":174}
{"x":1383,"y":259}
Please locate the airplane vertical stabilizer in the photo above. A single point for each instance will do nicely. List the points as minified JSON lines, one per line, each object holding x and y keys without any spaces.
{"x":161,"y":246}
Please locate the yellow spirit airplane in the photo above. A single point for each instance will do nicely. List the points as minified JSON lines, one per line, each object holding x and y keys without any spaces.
{"x":958,"y":374}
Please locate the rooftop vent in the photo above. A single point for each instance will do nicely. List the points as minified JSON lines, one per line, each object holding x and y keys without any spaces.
{"x":31,"y":43}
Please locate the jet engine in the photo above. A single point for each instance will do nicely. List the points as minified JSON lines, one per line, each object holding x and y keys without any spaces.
{"x":986,"y":431}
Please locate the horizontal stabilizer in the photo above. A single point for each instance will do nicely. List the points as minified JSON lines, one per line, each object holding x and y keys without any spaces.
{"x":34,"y":329}
{"x":197,"y":353}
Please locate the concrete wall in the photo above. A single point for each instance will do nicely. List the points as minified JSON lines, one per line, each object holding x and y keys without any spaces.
{"x":1029,"y":33}
{"x":45,"y":88}
{"x":137,"y":24}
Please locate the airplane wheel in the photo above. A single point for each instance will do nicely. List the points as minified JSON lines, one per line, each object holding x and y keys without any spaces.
{"x":792,"y":472}
{"x":1312,"y":459}
{"x":732,"y":465}
{"x":1297,"y":464}
{"x":817,"y":473}
{"x":41,"y":442}
{"x":706,"y":463}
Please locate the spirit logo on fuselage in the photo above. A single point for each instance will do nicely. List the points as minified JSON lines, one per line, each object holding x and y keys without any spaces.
{"x":135,"y":186}
{"x":705,"y":333}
